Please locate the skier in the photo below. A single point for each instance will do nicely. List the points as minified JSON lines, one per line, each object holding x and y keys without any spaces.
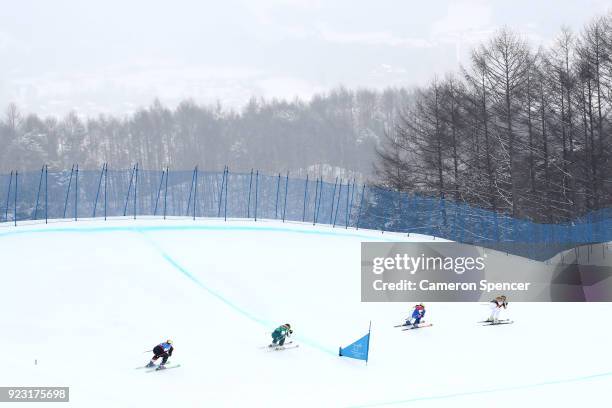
{"x":418,"y":312}
{"x":280,"y":334}
{"x":163,"y":350}
{"x":496,"y":306}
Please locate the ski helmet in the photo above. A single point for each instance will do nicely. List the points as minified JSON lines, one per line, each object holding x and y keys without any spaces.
{"x":288,"y":325}
{"x":169,"y":341}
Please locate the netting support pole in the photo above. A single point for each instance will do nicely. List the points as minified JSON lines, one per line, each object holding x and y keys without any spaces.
{"x":318,"y":204}
{"x":337,"y":203}
{"x":42,"y":171}
{"x":166,"y":192}
{"x":276,"y":203}
{"x":314,"y":212}
{"x":16,"y":190}
{"x":221,"y":191}
{"x":331,"y":213}
{"x":360,"y":204}
{"x":190,"y":191}
{"x":93,"y":215}
{"x":127,"y":197}
{"x":285,"y":204}
{"x":256,"y":192}
{"x":68,"y":191}
{"x":305,"y":197}
{"x":46,"y":194}
{"x":135,"y":191}
{"x":249,"y":199}
{"x":76,"y":193}
{"x":346,"y":217}
{"x":195,"y":195}
{"x":8,"y":195}
{"x":225,"y":203}
{"x":105,"y":189}
{"x":161,"y":183}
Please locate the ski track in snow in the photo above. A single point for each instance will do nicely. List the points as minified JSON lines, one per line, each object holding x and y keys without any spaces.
{"x":153,"y":234}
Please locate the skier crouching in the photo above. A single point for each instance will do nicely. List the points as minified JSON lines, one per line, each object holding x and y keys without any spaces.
{"x":163,"y":350}
{"x":496,"y":306}
{"x":418,"y":312}
{"x":280,"y":334}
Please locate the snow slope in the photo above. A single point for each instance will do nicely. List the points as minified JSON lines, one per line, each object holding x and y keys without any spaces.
{"x":82,"y":302}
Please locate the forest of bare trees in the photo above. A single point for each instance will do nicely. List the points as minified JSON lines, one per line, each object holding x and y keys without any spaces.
{"x":332,"y":135}
{"x":520,"y":131}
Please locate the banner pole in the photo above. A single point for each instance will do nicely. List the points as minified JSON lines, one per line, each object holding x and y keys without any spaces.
{"x":369,"y":332}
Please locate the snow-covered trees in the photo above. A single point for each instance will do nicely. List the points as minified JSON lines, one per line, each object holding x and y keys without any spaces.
{"x":525,"y":132}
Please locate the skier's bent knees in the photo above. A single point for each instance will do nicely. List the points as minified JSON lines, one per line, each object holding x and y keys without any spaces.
{"x":280,"y":334}
{"x":163,"y":350}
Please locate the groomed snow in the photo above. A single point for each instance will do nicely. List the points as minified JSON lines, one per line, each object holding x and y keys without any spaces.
{"x":84,"y":300}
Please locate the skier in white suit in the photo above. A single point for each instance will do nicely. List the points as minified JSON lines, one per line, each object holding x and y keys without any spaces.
{"x":496,"y":306}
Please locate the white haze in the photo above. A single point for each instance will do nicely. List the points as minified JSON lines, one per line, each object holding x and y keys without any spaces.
{"x":114,"y":56}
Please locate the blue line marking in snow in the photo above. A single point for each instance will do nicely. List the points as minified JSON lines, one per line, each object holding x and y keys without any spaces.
{"x":245,"y":313}
{"x":140,"y":228}
{"x":189,"y":275}
{"x":225,"y":300}
{"x":481,"y":392}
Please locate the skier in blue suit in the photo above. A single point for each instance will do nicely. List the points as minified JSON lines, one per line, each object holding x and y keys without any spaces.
{"x":163,"y":350}
{"x":418,"y":312}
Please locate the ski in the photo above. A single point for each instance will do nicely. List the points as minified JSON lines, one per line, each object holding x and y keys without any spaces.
{"x":489,"y":321}
{"x":270,"y":347}
{"x":280,"y":348}
{"x":168,"y":367}
{"x":498,"y":323}
{"x":155,"y":366}
{"x":401,"y":325}
{"x":418,"y":326}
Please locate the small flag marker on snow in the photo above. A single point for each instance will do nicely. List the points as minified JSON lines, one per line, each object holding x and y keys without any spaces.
{"x":360,"y":349}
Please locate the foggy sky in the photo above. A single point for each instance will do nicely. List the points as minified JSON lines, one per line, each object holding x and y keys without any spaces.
{"x":114,"y":56}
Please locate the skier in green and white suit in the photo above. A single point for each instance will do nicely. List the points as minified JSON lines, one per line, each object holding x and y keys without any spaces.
{"x":280,"y":334}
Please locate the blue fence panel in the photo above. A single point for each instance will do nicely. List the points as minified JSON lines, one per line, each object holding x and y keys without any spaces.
{"x":341,"y":203}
